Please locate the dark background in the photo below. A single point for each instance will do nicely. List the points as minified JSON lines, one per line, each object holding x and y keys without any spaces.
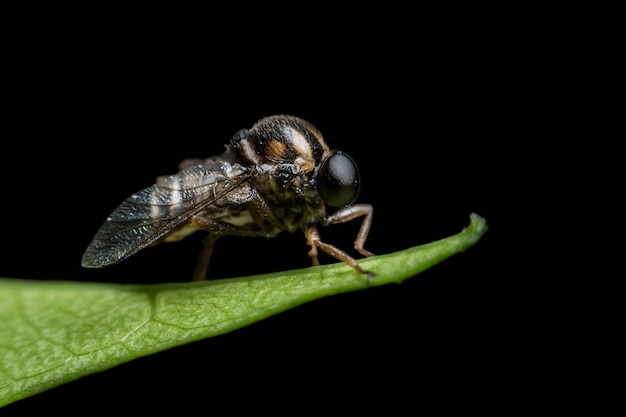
{"x":432,"y":117}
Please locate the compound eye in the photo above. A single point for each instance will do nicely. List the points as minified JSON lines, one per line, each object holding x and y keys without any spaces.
{"x":338,"y":180}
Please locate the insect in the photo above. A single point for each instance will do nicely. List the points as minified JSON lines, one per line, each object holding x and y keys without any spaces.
{"x":279,"y":175}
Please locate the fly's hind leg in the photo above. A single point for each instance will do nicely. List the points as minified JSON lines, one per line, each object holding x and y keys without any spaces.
{"x":204,"y":258}
{"x":216,"y":230}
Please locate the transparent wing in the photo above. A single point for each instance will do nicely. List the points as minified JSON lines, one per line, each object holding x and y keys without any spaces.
{"x":152,"y":213}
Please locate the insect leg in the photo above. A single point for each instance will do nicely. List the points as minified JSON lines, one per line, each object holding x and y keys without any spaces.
{"x":350,"y":213}
{"x":216,"y":230}
{"x":313,"y":239}
{"x":204,"y":257}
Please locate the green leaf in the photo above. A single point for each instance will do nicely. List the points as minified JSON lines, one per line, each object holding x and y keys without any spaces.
{"x":54,"y":332}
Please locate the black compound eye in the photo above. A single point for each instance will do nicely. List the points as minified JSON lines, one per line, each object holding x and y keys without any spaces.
{"x":338,"y":180}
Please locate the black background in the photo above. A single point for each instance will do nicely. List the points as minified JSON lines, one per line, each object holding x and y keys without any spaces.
{"x":431,"y":116}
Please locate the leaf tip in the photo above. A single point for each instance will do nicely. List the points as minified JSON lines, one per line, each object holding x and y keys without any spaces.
{"x":478,"y":225}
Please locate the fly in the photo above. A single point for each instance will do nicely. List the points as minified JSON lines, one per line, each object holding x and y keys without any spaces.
{"x":279,"y":175}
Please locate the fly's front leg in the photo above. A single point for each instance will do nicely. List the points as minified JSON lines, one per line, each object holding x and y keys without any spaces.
{"x":313,"y":239}
{"x":350,"y":213}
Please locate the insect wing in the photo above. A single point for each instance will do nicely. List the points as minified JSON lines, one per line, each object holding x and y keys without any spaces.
{"x":152,"y":213}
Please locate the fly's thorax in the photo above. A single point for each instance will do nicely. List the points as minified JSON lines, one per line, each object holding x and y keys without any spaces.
{"x":286,"y":151}
{"x":292,"y":198}
{"x":280,"y":140}
{"x":286,"y":184}
{"x":295,"y":162}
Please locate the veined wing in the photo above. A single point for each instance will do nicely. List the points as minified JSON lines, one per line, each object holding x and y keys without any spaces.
{"x":152,"y":213}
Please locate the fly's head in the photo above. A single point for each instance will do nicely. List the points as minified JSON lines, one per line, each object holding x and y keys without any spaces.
{"x":295,"y":163}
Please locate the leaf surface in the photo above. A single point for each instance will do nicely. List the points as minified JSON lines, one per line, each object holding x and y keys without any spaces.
{"x":54,"y":332}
